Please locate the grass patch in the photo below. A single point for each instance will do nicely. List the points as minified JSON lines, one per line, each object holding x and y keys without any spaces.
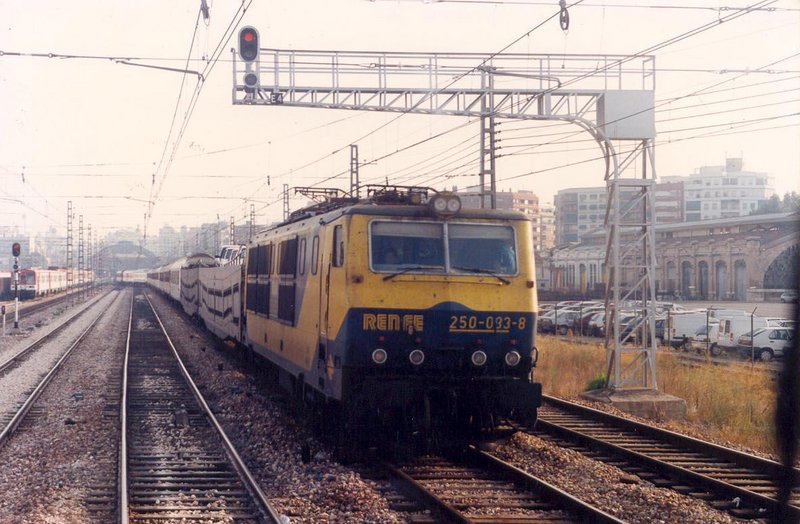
{"x":730,"y":403}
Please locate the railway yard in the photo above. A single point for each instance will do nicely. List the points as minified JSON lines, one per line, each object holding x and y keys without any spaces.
{"x":208,"y":440}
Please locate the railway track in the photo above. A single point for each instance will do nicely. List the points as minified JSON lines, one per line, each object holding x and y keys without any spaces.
{"x":29,"y":307}
{"x":479,"y":488}
{"x":728,"y":480}
{"x":17,"y":357}
{"x":13,"y":420}
{"x":175,"y":460}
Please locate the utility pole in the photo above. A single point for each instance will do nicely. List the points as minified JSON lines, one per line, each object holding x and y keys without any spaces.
{"x":232,"y":231}
{"x":89,"y":265}
{"x":15,"y":250}
{"x":487,"y":144}
{"x":80,"y":255}
{"x":285,"y":202}
{"x":70,"y":216}
{"x":354,"y":183}
{"x":252,"y":221}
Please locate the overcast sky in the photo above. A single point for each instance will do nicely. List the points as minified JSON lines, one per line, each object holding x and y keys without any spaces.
{"x":96,"y":131}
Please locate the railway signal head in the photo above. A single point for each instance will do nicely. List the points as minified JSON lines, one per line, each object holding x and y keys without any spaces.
{"x":15,"y":249}
{"x":248,"y":44}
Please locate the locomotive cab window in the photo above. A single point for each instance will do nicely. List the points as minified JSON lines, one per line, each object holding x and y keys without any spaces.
{"x":411,"y":246}
{"x":482,"y":248}
{"x":425,"y":247}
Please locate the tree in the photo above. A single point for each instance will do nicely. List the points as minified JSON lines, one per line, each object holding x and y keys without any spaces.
{"x":789,"y":204}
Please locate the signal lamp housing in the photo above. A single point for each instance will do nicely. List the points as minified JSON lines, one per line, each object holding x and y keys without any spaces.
{"x":248,"y":44}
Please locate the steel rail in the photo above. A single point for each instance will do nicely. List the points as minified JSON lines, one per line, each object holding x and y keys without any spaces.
{"x":249,"y":481}
{"x":561,"y":500}
{"x":26,"y":406}
{"x":714,"y":452}
{"x":122,"y":468}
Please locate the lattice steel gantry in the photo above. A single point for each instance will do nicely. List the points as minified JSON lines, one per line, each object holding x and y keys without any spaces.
{"x":609,"y":96}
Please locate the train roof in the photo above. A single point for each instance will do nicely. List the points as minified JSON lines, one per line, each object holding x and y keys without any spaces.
{"x":386,"y":200}
{"x":422,"y":211}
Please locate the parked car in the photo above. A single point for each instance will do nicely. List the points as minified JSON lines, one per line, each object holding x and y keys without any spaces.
{"x":597,"y":324}
{"x":789,"y":295}
{"x":560,"y":321}
{"x":581,"y":325}
{"x":766,"y":343}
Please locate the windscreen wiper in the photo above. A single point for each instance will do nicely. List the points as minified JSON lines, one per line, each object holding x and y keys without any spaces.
{"x":483,"y":271}
{"x":410,"y":268}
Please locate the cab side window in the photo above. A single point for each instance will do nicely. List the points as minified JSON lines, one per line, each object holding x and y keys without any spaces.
{"x":338,"y":247}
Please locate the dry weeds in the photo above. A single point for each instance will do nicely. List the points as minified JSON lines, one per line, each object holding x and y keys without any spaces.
{"x":730,"y":403}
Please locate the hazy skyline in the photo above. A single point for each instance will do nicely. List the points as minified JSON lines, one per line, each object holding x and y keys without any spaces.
{"x":94,"y":131}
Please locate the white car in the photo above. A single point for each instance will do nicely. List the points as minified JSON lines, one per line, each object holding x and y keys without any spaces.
{"x":766,"y":343}
{"x":789,"y":296}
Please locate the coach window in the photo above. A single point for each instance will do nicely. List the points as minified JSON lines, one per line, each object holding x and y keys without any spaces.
{"x":252,"y":268}
{"x":261,"y":260}
{"x":288,"y":260}
{"x":302,"y":256}
{"x":314,"y":254}
{"x":338,"y":247}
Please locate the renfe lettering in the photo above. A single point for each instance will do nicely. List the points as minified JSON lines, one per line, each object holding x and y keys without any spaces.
{"x":392,"y":322}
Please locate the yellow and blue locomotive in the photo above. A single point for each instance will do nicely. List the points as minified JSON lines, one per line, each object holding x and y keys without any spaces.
{"x":400,"y":310}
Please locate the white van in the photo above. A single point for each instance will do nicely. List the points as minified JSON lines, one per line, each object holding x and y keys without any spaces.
{"x":683,"y":327}
{"x":767,"y":343}
{"x":707,"y":339}
{"x":731,"y":328}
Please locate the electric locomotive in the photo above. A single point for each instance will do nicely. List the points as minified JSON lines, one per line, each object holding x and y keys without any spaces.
{"x":399,"y":311}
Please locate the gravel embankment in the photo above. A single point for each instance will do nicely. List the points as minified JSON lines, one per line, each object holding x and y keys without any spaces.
{"x":68,"y":453}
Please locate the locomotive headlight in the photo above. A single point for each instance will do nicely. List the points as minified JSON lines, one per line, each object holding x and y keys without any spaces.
{"x":416,"y":357}
{"x":379,"y":356}
{"x":534,"y":355}
{"x":454,"y":205}
{"x":445,"y":204}
{"x":513,"y":358}
{"x":479,"y":358}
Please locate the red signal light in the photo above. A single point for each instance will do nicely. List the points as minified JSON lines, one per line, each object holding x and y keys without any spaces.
{"x":15,"y":249}
{"x":248,"y":44}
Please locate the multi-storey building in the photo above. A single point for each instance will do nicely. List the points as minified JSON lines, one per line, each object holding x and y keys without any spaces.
{"x":582,"y":211}
{"x":578,"y":212}
{"x":725,"y":191}
{"x":525,"y":201}
{"x":547,"y":226}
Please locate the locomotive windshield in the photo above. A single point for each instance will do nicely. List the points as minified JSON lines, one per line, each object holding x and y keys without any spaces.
{"x":442,"y":248}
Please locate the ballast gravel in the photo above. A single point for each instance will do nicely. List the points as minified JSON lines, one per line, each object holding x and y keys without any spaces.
{"x":62,"y":461}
